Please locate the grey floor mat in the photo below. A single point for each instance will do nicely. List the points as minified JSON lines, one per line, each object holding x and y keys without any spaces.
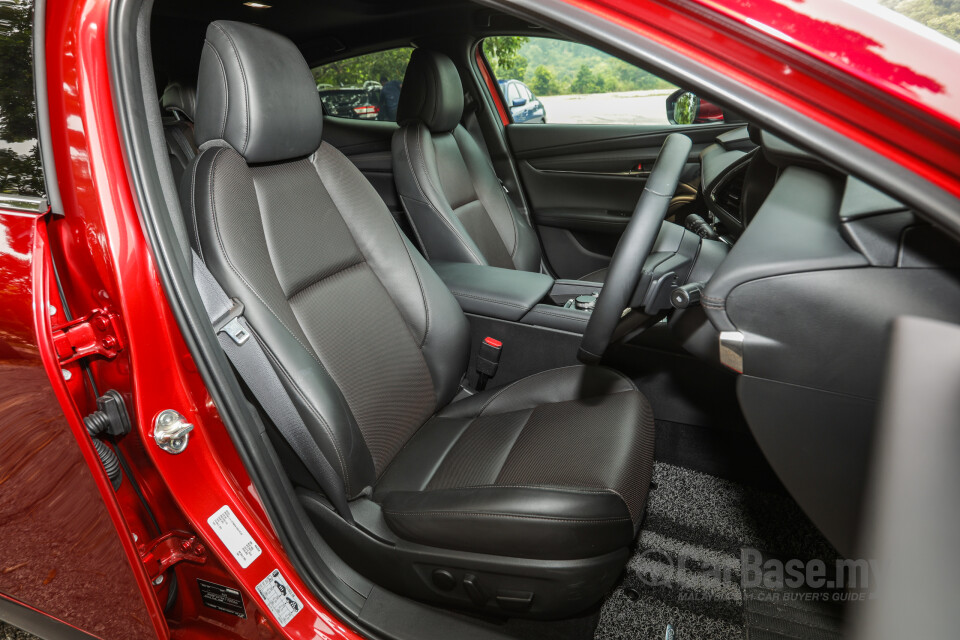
{"x":687,"y":568}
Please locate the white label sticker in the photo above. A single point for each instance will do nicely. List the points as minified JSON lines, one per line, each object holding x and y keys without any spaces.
{"x":235,"y":536}
{"x":279,"y":597}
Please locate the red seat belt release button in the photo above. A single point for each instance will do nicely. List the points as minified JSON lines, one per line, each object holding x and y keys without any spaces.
{"x":488,"y":359}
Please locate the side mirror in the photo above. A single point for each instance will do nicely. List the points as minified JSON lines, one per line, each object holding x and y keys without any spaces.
{"x":519,"y":102}
{"x":685,"y":107}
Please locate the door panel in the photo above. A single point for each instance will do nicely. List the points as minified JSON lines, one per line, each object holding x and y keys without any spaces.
{"x":367,"y":144}
{"x":583,"y":182}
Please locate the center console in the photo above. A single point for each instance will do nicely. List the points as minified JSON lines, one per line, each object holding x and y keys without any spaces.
{"x":523,"y":297}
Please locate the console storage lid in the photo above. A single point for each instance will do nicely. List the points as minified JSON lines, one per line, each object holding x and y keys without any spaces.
{"x":491,"y":291}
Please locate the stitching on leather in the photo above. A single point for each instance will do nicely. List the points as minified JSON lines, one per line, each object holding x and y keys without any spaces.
{"x":317,"y":281}
{"x":513,"y":384}
{"x":506,"y":515}
{"x":313,"y":410}
{"x":439,"y":214}
{"x":246,"y":91}
{"x":226,"y":93}
{"x":558,"y":315}
{"x":491,"y":300}
{"x":423,"y":293}
{"x":513,"y":220}
{"x":216,"y":226}
{"x":584,"y":278}
{"x":193,"y":204}
{"x":532,"y":486}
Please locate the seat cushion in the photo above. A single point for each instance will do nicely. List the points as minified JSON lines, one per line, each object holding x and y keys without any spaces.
{"x":554,"y":466}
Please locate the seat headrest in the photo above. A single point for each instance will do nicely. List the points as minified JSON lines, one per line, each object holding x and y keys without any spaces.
{"x":431,"y":92}
{"x":181,"y":98}
{"x":256,"y":92}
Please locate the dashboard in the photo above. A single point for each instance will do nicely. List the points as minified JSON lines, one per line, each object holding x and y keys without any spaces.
{"x":819,"y":266}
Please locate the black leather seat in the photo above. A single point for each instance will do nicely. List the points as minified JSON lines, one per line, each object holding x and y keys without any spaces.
{"x":537,"y":488}
{"x":447,"y":184}
{"x":178,"y":102}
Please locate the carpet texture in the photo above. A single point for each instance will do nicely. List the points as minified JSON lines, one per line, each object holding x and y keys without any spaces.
{"x":686,"y":571}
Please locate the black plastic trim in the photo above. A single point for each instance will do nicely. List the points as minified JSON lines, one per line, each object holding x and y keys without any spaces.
{"x":43,"y":107}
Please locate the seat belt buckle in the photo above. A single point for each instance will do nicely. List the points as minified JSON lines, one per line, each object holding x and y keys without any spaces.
{"x":488,"y":359}
{"x":229,"y":323}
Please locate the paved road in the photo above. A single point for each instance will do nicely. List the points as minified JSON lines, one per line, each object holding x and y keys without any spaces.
{"x":629,"y":107}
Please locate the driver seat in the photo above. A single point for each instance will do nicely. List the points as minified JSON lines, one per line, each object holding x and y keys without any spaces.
{"x":520,"y":500}
{"x":455,"y":202}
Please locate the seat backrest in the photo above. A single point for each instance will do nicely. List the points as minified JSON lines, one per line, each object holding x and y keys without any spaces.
{"x":365,"y":336}
{"x":446,"y":183}
{"x":178,"y":102}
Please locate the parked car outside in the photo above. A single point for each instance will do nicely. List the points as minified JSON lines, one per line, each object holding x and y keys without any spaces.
{"x":352,"y":102}
{"x":524,"y":106}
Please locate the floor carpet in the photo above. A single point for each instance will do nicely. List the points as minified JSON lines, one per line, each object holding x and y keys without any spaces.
{"x":686,"y":571}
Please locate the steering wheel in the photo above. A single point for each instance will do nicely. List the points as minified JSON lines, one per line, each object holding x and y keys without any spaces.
{"x":609,"y":320}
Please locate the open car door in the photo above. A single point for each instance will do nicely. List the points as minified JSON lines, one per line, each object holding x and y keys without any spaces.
{"x":912,"y":518}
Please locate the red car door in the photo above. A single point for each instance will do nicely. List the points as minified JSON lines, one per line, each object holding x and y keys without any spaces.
{"x":63,"y":567}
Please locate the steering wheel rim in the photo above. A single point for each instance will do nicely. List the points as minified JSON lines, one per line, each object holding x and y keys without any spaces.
{"x":635,"y":245}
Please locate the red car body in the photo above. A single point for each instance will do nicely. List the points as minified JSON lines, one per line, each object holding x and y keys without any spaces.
{"x":892,"y":90}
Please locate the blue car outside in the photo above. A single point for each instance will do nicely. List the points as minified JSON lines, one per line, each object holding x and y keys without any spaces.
{"x":524,"y":106}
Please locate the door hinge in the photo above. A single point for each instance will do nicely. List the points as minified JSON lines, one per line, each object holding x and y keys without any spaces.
{"x":95,"y":334}
{"x":170,"y":549}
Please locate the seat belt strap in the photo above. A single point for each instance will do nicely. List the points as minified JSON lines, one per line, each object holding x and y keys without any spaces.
{"x":249,"y":359}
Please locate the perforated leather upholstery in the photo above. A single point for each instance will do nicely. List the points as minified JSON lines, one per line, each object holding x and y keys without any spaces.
{"x":372,"y":346}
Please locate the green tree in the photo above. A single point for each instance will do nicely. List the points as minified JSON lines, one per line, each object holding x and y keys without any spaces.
{"x":503,"y":54}
{"x":543,"y":82}
{"x":382,"y":66}
{"x":585,"y":82}
{"x":18,"y":120}
{"x":940,"y":15}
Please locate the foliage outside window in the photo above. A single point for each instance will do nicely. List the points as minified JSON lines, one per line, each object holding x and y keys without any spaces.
{"x":20,"y":167}
{"x":364,"y":87}
{"x":576,"y":83}
{"x":939,"y":15}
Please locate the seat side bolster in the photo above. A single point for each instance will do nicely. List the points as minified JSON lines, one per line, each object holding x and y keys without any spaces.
{"x":220,"y":193}
{"x":514,"y":230}
{"x":417,"y":178}
{"x":540,"y":522}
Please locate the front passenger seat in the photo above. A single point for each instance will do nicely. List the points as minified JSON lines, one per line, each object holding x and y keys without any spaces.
{"x":447,"y":184}
{"x":518,"y":500}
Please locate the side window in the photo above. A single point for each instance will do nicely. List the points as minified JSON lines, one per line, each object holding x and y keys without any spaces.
{"x":576,"y":84}
{"x":21,"y":173}
{"x":365,"y":87}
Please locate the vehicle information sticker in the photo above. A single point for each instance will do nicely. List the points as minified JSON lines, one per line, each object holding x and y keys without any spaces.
{"x":279,"y":597}
{"x":235,"y":536}
{"x":216,"y":596}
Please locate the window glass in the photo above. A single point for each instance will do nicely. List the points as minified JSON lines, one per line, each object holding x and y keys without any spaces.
{"x":576,"y":84}
{"x":939,"y":15}
{"x":20,"y":170}
{"x":365,"y":87}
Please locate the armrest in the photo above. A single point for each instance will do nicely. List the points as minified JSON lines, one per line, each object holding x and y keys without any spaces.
{"x":491,"y":291}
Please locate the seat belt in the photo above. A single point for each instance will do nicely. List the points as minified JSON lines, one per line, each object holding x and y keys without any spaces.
{"x":251,"y":362}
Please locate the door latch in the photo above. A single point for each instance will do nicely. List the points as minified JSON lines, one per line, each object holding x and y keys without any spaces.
{"x":95,"y":334}
{"x":170,"y":549}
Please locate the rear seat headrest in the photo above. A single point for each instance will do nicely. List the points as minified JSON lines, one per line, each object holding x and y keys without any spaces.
{"x":180,"y":97}
{"x":256,"y":92}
